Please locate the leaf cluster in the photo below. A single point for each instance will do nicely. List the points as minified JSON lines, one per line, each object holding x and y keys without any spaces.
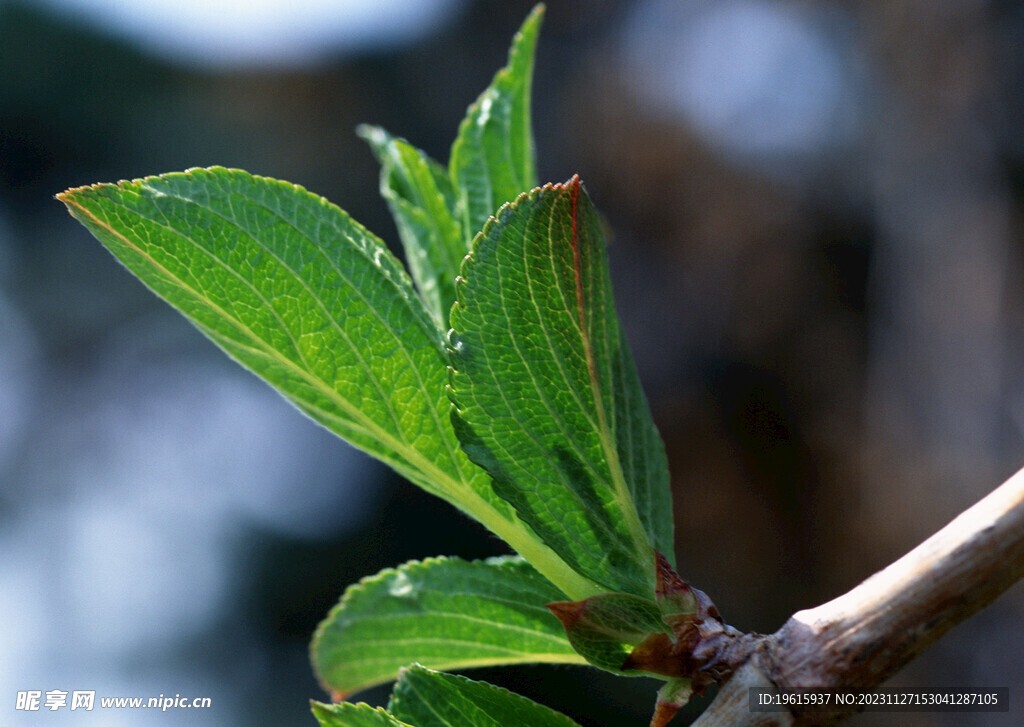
{"x":492,"y":373}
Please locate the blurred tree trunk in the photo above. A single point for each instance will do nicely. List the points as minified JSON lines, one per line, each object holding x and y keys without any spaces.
{"x":937,"y":386}
{"x":944,"y":279}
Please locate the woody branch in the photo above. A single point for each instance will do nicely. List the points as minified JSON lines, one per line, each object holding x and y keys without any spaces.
{"x":863,"y":637}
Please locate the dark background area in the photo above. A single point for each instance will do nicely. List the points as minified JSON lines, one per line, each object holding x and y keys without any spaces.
{"x":816,"y":248}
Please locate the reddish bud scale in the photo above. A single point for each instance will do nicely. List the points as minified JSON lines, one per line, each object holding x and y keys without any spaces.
{"x":673,"y":594}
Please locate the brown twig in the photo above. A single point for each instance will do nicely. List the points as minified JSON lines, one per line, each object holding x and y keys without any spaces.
{"x":863,"y":637}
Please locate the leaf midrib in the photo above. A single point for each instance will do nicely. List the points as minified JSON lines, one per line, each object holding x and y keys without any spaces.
{"x":527,"y":655}
{"x":604,"y":430}
{"x":554,"y":416}
{"x":601,"y":425}
{"x":449,"y":616}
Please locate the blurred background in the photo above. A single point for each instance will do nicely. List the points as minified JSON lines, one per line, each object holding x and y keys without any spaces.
{"x":816,"y":252}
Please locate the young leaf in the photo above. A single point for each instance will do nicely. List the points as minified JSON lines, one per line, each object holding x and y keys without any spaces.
{"x":600,"y":627}
{"x":298,"y":292}
{"x":445,"y":613}
{"x":428,"y":698}
{"x":492,"y":159}
{"x":353,"y":715}
{"x":546,"y":395}
{"x":421,"y":199}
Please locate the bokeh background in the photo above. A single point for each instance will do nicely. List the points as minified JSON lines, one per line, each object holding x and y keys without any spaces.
{"x":816,"y":215}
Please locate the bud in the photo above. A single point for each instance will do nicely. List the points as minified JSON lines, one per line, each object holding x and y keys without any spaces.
{"x":672,"y":697}
{"x":603,"y":627}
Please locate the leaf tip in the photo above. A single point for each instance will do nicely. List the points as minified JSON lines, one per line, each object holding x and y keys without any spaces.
{"x":67,"y":197}
{"x":572,"y":184}
{"x":370,"y":132}
{"x":529,"y":26}
{"x":568,"y":612}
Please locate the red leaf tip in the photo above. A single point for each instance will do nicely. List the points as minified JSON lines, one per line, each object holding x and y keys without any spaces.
{"x":568,"y":612}
{"x":673,"y":594}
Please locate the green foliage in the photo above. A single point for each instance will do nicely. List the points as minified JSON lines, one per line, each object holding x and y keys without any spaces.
{"x":545,"y":390}
{"x":295,"y":290}
{"x":603,"y":628}
{"x":528,"y":415}
{"x":298,"y":292}
{"x":445,"y":613}
{"x":492,"y":159}
{"x":430,"y":699}
{"x":422,"y":201}
{"x":438,"y":212}
{"x":347,"y":714}
{"x":426,"y":698}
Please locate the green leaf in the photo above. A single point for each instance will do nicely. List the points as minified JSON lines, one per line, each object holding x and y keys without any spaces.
{"x":604,"y":628}
{"x":295,"y":290}
{"x":445,"y":613}
{"x":354,"y":715}
{"x":420,"y":195}
{"x":546,"y":393}
{"x":492,"y":159}
{"x":428,"y":698}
